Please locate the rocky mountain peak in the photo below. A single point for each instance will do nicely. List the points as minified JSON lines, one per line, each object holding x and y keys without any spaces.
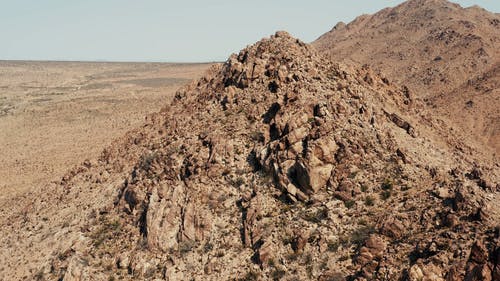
{"x":264,"y":59}
{"x":278,"y":163}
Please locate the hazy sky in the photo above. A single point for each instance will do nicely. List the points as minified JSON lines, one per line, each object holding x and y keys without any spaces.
{"x":154,"y":30}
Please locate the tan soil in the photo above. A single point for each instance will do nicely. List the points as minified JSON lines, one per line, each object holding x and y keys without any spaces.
{"x":55,"y":114}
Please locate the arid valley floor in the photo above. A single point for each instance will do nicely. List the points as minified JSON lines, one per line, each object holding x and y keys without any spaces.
{"x":54,"y":114}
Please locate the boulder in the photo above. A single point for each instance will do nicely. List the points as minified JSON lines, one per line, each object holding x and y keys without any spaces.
{"x":478,"y":253}
{"x":266,"y":253}
{"x":163,"y":219}
{"x":400,"y":122}
{"x":392,"y":227}
{"x":425,"y":272}
{"x":310,"y":179}
{"x":370,"y":254}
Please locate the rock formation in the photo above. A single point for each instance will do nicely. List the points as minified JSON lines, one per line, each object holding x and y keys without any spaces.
{"x":277,"y":164}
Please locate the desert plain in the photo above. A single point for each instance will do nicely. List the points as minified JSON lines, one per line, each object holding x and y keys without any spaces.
{"x":54,"y":114}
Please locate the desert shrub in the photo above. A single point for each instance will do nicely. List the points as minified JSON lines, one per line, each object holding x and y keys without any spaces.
{"x":265,"y":176}
{"x":309,"y":270}
{"x":108,"y":230}
{"x":344,"y":239}
{"x":359,"y":235}
{"x":287,"y":240}
{"x":257,"y":136}
{"x":308,"y":258}
{"x":277,"y":274}
{"x":344,"y":258}
{"x":208,"y":247}
{"x":369,"y":200}
{"x":239,"y":181}
{"x":292,"y":256}
{"x":387,"y":184}
{"x":318,"y":216}
{"x":39,"y":275}
{"x":385,"y":194}
{"x":349,"y":204}
{"x":335,"y":277}
{"x":146,"y":160}
{"x":333,"y":246}
{"x":186,"y":246}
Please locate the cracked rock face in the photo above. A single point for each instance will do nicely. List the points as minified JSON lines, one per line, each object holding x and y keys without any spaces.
{"x":276,"y":164}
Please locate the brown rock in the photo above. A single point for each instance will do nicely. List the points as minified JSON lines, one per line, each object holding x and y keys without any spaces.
{"x":402,"y":124}
{"x":266,"y":253}
{"x":142,"y":267}
{"x":163,"y":219}
{"x":300,"y":241}
{"x":311,"y":175}
{"x":478,"y":253}
{"x":479,"y":273}
{"x":376,"y":244}
{"x":123,"y":261}
{"x":393,"y":228}
{"x":454,"y":274}
{"x":370,"y":254}
{"x":451,"y":220}
{"x":76,"y":270}
{"x":321,"y":110}
{"x":324,"y":150}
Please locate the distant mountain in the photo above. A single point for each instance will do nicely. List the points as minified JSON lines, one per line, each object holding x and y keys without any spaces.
{"x":447,"y":55}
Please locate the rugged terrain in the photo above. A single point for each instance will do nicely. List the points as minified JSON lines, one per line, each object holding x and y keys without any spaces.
{"x":278,"y":164}
{"x":54,"y":114}
{"x":447,"y":56}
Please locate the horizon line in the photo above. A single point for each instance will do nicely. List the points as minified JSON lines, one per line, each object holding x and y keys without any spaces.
{"x":110,"y":61}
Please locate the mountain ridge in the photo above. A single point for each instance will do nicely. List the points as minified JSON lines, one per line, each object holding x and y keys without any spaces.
{"x":448,"y":46}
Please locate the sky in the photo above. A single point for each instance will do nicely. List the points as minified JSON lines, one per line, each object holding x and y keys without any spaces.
{"x":167,"y":31}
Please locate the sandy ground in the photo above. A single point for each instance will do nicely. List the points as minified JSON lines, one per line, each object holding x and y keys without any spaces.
{"x":54,"y":114}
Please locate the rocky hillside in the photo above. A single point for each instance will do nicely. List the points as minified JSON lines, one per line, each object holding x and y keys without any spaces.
{"x":277,"y":165}
{"x":446,"y":55}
